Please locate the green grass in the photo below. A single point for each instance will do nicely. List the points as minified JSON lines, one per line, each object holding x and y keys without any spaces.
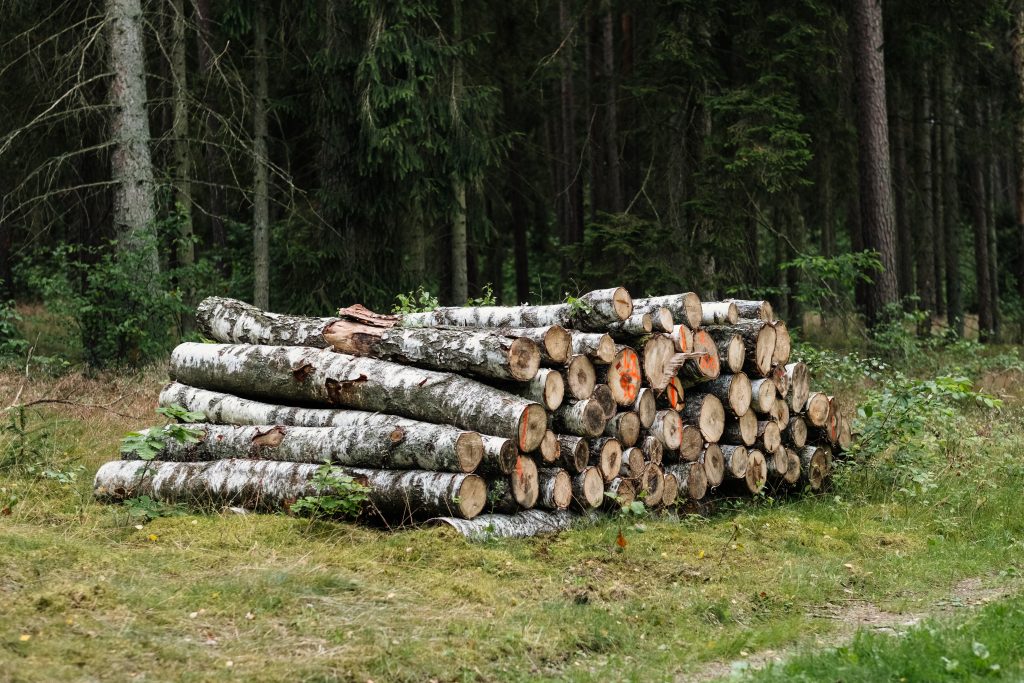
{"x":984,"y":645}
{"x":265,"y":597}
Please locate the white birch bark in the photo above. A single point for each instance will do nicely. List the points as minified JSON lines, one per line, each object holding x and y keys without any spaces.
{"x":685,"y":308}
{"x":555,"y":488}
{"x":580,"y":418}
{"x":524,"y":524}
{"x":306,"y":375}
{"x":598,"y":347}
{"x":719,"y":313}
{"x":554,"y":341}
{"x":692,"y":482}
{"x":799,"y":385}
{"x":754,"y":310}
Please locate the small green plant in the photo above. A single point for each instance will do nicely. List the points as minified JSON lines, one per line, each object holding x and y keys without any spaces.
{"x":579,"y":305}
{"x":26,"y":442}
{"x":12,"y":343}
{"x":338,"y":496}
{"x":145,"y":445}
{"x":419,"y":301}
{"x":486,"y":300}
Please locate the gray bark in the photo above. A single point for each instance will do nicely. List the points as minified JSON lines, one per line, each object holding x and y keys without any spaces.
{"x":261,"y":162}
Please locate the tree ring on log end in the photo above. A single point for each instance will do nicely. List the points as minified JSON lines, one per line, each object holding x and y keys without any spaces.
{"x":472,"y":496}
{"x":469,"y":450}
{"x":533,"y":424}
{"x":523,"y":359}
{"x":622,"y":302}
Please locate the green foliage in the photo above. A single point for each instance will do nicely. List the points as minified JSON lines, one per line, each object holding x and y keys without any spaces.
{"x":147,"y":444}
{"x":338,"y":496}
{"x":12,"y":343}
{"x":143,"y":509}
{"x":827,"y":284}
{"x":419,"y":301}
{"x":486,"y":300}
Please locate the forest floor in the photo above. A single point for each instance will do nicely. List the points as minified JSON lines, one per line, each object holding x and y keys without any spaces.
{"x":929,"y":525}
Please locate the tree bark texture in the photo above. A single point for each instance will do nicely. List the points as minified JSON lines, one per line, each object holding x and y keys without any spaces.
{"x":685,"y":308}
{"x":261,"y":163}
{"x":523,"y":524}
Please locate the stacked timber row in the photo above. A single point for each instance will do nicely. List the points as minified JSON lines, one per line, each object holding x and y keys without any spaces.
{"x":512,"y":420}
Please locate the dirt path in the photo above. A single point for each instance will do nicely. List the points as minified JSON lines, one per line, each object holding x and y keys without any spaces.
{"x":854,"y":615}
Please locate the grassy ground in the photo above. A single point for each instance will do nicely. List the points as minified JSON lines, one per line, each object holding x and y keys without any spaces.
{"x":91,"y":592}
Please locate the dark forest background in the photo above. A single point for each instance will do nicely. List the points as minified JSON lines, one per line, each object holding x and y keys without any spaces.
{"x":849,"y":158}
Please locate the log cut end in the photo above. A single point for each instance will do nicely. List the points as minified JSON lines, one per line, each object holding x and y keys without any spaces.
{"x":606,"y":455}
{"x":778,"y":462}
{"x":793,"y":467}
{"x":549,"y":448}
{"x":818,"y":409}
{"x":632,"y":463}
{"x":771,"y":435}
{"x":714,"y":465}
{"x":748,"y":428}
{"x":623,"y":376}
{"x":814,"y":467}
{"x":588,"y":489}
{"x":523,"y":359}
{"x":757,"y":472}
{"x":708,"y":363}
{"x":675,"y":395}
{"x":796,"y":432}
{"x":691,"y":442}
{"x":696,"y":481}
{"x":553,"y":390}
{"x":645,"y":407}
{"x":712,"y":418}
{"x":668,"y":428}
{"x":557,"y":344}
{"x":735,"y":353}
{"x":499,"y":455}
{"x":737,"y":461}
{"x":845,"y":439}
{"x":555,"y":488}
{"x":622,"y":303}
{"x":605,"y":350}
{"x":469,"y":451}
{"x":661,"y":320}
{"x":799,"y":385}
{"x":603,"y":395}
{"x":525,"y":482}
{"x":783,"y":343}
{"x":620,"y":493}
{"x":472,"y":496}
{"x":764,"y":350}
{"x":652,"y":484}
{"x":659,"y":352}
{"x":580,"y":377}
{"x":533,"y":425}
{"x":573,"y":453}
{"x":653,"y":450}
{"x":693,"y":309}
{"x":740,"y":394}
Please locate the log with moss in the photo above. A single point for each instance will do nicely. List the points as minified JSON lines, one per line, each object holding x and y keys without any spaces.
{"x":395,"y":495}
{"x":307,"y":375}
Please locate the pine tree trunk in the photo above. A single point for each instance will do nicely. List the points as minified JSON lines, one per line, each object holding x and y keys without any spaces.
{"x":924,"y":248}
{"x":261,"y":161}
{"x":130,"y":161}
{"x":182,"y":151}
{"x":611,"y":128}
{"x":874,"y":170}
{"x":979,"y":214}
{"x":305,"y":375}
{"x":1018,"y":140}
{"x":901,"y":191}
{"x":951,"y":196}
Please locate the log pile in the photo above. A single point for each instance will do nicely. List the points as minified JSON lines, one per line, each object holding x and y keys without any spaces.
{"x":510,"y":420}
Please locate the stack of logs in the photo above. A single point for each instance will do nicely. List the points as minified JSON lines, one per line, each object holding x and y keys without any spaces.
{"x":528,"y":414}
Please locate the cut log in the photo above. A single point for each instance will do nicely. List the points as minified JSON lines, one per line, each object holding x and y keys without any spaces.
{"x":369,"y":446}
{"x":500,"y":455}
{"x":783,"y":343}
{"x":598,"y":347}
{"x":719,"y":313}
{"x":757,"y":472}
{"x":603,"y":395}
{"x":845,"y":439}
{"x":799,"y":385}
{"x":654,"y":450}
{"x":692,"y":482}
{"x":705,"y":411}
{"x":580,"y":377}
{"x":306,"y":375}
{"x":736,"y":461}
{"x":781,"y":380}
{"x":523,"y":524}
{"x":481,"y":354}
{"x":573,"y":453}
{"x":549,"y":450}
{"x":588,"y":489}
{"x":769,"y":436}
{"x":682,"y":338}
{"x":667,"y":428}
{"x":741,"y":430}
{"x":731,"y":353}
{"x":754,"y":310}
{"x":554,"y":341}
{"x":703,"y":362}
{"x":672,"y":397}
{"x":420,"y":441}
{"x":651,"y":485}
{"x":645,"y":406}
{"x":581,"y":418}
{"x":758,"y":341}
{"x":622,"y":376}
{"x":625,"y":427}
{"x":795,"y":433}
{"x":781,"y":413}
{"x":547,"y":388}
{"x":795,"y":467}
{"x":686,"y":308}
{"x":662,"y":320}
{"x":813,"y":466}
{"x":515,"y":491}
{"x":593,"y":311}
{"x":632,"y":463}
{"x":619,"y":493}
{"x":660,"y":361}
{"x":733,"y":391}
{"x":394,"y":495}
{"x":554,"y":488}
{"x":606,"y":456}
{"x":778,"y":462}
{"x":714,"y":465}
{"x":634,"y":326}
{"x":670,"y":492}
{"x":763,"y":395}
{"x":818,"y":409}
{"x":691,"y":443}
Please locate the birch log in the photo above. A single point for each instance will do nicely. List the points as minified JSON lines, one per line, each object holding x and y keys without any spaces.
{"x":673,"y":396}
{"x":419,"y":441}
{"x":691,"y":443}
{"x":763,"y":396}
{"x":769,"y":436}
{"x":713,"y":461}
{"x":692,"y":482}
{"x":632,"y":465}
{"x":662,"y":320}
{"x":500,"y":455}
{"x":736,"y":460}
{"x":705,"y":411}
{"x":603,"y":395}
{"x":546,"y":388}
{"x":645,"y":406}
{"x":581,"y":418}
{"x":731,"y":352}
{"x":599,"y":348}
{"x":625,"y":427}
{"x":554,"y":488}
{"x":518,"y":490}
{"x":653,"y":449}
{"x":619,"y":493}
{"x":741,"y":430}
{"x":818,"y":409}
{"x":634,"y":326}
{"x":299,"y":374}
{"x":719,"y":313}
{"x":799,"y":385}
{"x":651,"y":484}
{"x":606,"y":456}
{"x":554,"y":341}
{"x":667,"y":428}
{"x":783,"y":343}
{"x":796,"y":432}
{"x":754,"y":310}
{"x":593,"y":311}
{"x":734,"y":391}
{"x":573,"y":453}
{"x":660,"y":362}
{"x":794,"y":470}
{"x":686,"y":307}
{"x":813,"y":466}
{"x":523,"y":524}
{"x":777,"y":462}
{"x":549,"y":450}
{"x":272,"y":485}
{"x":758,"y":340}
{"x":780,"y":379}
{"x":757,"y":472}
{"x":703,"y":362}
{"x":682,"y":338}
{"x":588,"y":489}
{"x":580,"y":377}
{"x":371,"y":447}
{"x":670,"y":492}
{"x":478,"y":353}
{"x":622,"y":375}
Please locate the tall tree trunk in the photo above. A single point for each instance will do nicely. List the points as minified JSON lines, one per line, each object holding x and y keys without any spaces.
{"x":182,"y":151}
{"x":571,"y":190}
{"x":261,"y":178}
{"x":938,"y":205}
{"x":517,"y":199}
{"x":951,"y":197}
{"x":611,"y":130}
{"x":130,"y":161}
{"x":983,"y":273}
{"x":1018,"y":139}
{"x":828,"y":211}
{"x":924,"y":248}
{"x":993,"y":243}
{"x":901,"y":188}
{"x":874,"y":170}
{"x":460,"y":266}
{"x":214,"y":201}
